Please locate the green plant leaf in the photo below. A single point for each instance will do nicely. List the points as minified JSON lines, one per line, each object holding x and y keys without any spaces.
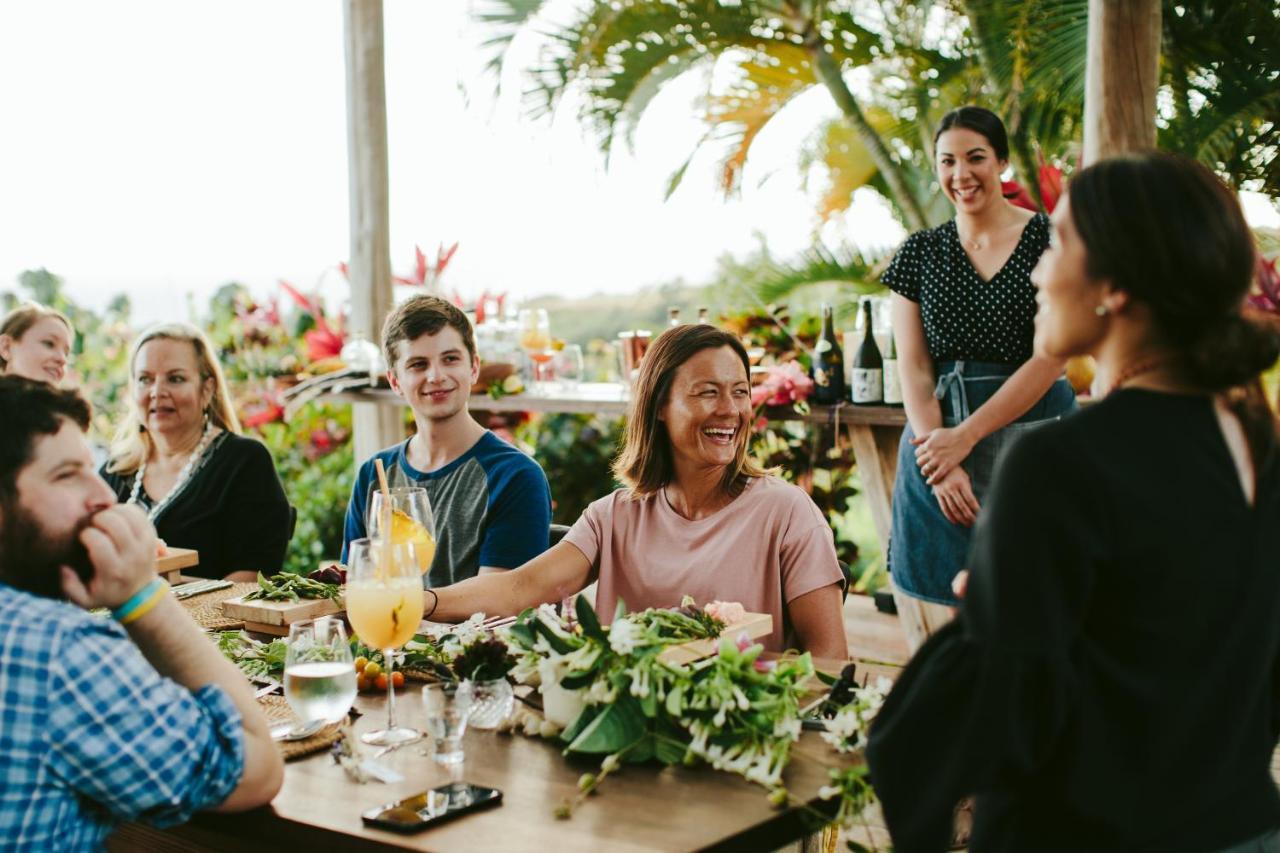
{"x":580,"y":722}
{"x":649,"y":704}
{"x":616,"y":728}
{"x":561,"y":645}
{"x":588,"y":620}
{"x":578,"y":679}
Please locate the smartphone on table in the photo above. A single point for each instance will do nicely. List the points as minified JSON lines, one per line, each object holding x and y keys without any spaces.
{"x":431,"y":808}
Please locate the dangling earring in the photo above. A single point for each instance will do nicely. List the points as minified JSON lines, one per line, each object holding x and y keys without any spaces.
{"x":1101,"y":311}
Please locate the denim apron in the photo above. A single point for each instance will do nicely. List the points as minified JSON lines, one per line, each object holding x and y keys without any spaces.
{"x":926,"y":551}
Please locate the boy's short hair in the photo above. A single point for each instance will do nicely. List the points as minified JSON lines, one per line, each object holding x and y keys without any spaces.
{"x":424,"y":315}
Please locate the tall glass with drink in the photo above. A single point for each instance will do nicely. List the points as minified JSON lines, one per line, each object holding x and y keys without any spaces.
{"x":384,"y":604}
{"x":535,"y":340}
{"x":404,"y":515}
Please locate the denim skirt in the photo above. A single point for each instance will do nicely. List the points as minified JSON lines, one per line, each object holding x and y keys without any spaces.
{"x":925,"y":550}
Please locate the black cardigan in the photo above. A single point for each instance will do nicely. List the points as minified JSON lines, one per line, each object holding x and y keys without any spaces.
{"x":234,"y":511}
{"x":1111,"y":680}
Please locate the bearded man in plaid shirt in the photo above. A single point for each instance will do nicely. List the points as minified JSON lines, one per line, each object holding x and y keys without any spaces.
{"x":102,"y":720}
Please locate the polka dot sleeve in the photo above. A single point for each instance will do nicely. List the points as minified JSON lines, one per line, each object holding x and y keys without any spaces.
{"x":903,"y":274}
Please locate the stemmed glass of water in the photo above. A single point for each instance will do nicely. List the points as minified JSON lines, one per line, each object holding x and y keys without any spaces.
{"x":319,"y":676}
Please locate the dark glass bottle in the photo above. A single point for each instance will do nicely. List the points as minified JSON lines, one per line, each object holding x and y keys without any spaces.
{"x":867,"y":375}
{"x":828,"y":364}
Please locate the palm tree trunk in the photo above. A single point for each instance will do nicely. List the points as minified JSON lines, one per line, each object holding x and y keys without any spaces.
{"x":828,"y":71}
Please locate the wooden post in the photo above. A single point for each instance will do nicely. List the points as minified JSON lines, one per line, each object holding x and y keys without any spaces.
{"x":1121,"y":77}
{"x":375,"y":425}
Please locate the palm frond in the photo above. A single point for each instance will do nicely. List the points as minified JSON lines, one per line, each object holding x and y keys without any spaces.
{"x":1221,"y":64}
{"x":768,"y":79}
{"x":504,"y":19}
{"x":819,"y":265}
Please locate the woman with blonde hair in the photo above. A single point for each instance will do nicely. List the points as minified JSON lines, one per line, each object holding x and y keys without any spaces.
{"x":696,"y":516}
{"x":178,"y":454}
{"x":35,"y":342}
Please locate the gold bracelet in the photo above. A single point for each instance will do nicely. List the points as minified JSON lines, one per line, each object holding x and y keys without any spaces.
{"x":145,"y":607}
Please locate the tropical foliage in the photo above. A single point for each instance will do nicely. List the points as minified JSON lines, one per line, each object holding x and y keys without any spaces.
{"x":892,"y":69}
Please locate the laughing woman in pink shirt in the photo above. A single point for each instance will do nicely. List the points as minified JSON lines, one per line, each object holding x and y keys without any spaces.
{"x":697,"y":516}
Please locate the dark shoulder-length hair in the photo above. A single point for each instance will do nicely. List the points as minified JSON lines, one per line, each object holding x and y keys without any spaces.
{"x":1168,"y":232}
{"x":645,"y":463}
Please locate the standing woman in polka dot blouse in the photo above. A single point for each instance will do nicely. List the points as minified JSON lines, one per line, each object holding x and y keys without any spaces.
{"x":963,"y":312}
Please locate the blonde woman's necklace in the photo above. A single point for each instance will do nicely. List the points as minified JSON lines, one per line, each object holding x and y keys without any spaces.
{"x":183,"y":475}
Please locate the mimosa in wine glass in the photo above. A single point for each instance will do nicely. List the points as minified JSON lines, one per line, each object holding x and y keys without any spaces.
{"x":384,"y":604}
{"x":410,"y":520}
{"x":535,"y":340}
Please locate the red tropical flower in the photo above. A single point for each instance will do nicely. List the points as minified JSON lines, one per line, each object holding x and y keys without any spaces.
{"x":1050,"y":180}
{"x":1267,"y":295}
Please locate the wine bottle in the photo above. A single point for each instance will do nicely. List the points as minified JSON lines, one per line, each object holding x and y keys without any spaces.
{"x":828,"y":364}
{"x":702,"y":315}
{"x":673,"y":316}
{"x":892,"y":378}
{"x":868,"y":366}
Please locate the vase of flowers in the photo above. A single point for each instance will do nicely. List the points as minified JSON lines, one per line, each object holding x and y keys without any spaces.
{"x":483,"y":668}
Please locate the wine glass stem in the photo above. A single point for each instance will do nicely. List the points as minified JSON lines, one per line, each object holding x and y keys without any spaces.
{"x":389,"y":656}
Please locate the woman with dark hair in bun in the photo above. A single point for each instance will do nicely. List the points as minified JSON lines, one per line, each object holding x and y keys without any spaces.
{"x":1111,"y":681}
{"x":962,"y":317}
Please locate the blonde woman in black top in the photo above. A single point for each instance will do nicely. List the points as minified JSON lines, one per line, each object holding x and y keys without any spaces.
{"x":179,"y":456}
{"x":1111,"y":681}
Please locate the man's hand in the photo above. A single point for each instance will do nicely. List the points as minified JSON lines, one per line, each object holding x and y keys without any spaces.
{"x":122,"y":548}
{"x":941,"y":451}
{"x":955,"y":496}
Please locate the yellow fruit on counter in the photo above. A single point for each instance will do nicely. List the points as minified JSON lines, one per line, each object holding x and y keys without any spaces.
{"x":1080,"y":371}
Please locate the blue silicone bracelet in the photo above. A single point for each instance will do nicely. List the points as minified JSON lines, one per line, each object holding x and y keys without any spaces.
{"x":121,"y":612}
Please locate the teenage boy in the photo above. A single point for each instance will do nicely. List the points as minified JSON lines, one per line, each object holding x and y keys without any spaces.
{"x":490,"y":502}
{"x":136,"y":716}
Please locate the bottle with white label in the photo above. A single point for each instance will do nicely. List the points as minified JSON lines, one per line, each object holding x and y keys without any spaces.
{"x":867,"y":388}
{"x":892,"y":378}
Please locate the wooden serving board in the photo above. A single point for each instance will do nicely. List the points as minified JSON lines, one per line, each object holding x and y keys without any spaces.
{"x":275,"y":617}
{"x":170,"y":565}
{"x":755,"y":624}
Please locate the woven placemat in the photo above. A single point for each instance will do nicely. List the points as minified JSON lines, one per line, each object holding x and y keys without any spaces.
{"x":278,"y":711}
{"x":206,"y":608}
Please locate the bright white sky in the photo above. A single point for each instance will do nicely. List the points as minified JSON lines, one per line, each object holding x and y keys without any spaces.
{"x":165,"y":148}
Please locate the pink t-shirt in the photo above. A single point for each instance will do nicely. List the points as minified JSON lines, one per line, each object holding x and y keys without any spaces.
{"x":768,"y":547}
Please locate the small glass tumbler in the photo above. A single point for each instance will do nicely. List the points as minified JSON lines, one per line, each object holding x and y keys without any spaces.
{"x":447,"y":710}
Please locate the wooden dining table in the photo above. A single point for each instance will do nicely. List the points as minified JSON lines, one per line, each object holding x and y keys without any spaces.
{"x":636,"y":808}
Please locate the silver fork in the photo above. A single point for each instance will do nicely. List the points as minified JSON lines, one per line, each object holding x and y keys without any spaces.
{"x":197,"y":587}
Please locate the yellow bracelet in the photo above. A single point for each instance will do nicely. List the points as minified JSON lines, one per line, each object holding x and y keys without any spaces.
{"x":145,"y":607}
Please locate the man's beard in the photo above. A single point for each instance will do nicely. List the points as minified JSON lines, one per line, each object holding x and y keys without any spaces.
{"x":31,"y":559}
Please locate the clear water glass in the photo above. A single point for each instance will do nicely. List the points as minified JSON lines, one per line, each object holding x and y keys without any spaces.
{"x":447,"y":712}
{"x":319,"y":676}
{"x":568,"y":367}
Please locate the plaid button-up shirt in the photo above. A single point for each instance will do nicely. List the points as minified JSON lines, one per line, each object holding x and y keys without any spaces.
{"x":91,"y":735}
